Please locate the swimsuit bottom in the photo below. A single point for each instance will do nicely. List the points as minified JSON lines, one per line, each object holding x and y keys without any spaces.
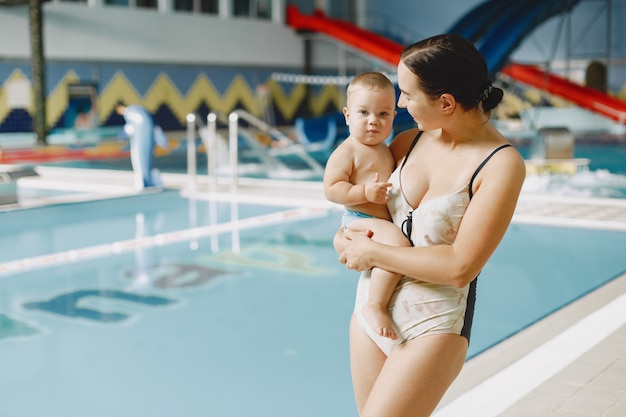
{"x":417,"y":308}
{"x":352,"y":215}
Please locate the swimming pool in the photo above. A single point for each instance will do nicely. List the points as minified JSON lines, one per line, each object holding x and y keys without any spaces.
{"x":604,"y":178}
{"x":159,"y":305}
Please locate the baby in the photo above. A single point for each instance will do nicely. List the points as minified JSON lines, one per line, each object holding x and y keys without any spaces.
{"x":356,"y":176}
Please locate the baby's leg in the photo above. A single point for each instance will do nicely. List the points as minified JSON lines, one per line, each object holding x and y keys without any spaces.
{"x":383,"y":283}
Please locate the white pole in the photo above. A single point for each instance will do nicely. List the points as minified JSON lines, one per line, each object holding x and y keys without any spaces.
{"x":277,"y":12}
{"x":233,"y":139}
{"x":223,"y":8}
{"x":191,"y":151}
{"x":211,"y":151}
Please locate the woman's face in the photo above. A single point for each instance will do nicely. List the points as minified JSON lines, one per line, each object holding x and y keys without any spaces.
{"x":421,"y":107}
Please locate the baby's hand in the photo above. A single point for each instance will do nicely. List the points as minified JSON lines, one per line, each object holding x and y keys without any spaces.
{"x":376,"y":192}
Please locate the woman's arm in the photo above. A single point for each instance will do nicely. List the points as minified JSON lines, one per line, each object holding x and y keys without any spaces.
{"x":340,"y":243}
{"x":484,"y":224}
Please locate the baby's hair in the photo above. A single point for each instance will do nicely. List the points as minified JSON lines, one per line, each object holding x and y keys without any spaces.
{"x":371,"y":80}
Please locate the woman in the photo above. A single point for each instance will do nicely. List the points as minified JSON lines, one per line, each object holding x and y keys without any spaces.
{"x":455,"y":155}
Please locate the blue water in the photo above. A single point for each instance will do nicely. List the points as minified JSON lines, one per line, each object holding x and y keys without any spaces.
{"x":200,"y":330}
{"x":41,"y":230}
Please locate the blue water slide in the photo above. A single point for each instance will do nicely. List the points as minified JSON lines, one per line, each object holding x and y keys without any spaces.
{"x":477,"y":21}
{"x":497,"y":27}
{"x":521,"y":18}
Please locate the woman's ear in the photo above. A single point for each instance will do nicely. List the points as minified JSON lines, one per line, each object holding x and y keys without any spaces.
{"x":448,"y":103}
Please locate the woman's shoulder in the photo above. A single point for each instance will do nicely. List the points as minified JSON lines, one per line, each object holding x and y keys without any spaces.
{"x":505,"y":164}
{"x":402,"y":142}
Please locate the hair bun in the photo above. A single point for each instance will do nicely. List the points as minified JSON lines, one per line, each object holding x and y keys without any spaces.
{"x":491,"y":97}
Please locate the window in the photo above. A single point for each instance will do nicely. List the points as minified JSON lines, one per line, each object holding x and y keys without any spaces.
{"x":197,"y":6}
{"x":255,"y":9}
{"x":117,"y":2}
{"x":147,"y":4}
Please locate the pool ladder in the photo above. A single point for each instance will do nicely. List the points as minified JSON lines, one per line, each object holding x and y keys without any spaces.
{"x":210,"y":138}
{"x":208,"y":134}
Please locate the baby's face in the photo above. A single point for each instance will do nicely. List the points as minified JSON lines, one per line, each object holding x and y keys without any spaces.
{"x":369,"y":114}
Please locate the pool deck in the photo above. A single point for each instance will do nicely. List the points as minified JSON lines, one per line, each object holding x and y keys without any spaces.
{"x":570,"y":364}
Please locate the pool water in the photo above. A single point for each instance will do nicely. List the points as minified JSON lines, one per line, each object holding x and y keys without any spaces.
{"x":174,"y":317}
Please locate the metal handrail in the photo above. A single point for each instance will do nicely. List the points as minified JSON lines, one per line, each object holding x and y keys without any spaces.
{"x":211,"y":151}
{"x":209,"y":137}
{"x":281,"y":138}
{"x":261,"y":125}
{"x":194,"y":123}
{"x":233,"y":149}
{"x":192,"y":173}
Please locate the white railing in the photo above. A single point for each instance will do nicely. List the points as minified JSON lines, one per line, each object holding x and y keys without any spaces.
{"x":283,"y":140}
{"x":208,"y":134}
{"x":192,"y":171}
{"x":210,"y":139}
{"x":233,"y":149}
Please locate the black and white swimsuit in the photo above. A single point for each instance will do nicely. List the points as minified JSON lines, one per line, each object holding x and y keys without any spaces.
{"x":417,"y":307}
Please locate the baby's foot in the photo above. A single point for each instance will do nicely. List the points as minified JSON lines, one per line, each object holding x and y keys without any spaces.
{"x":379,"y":320}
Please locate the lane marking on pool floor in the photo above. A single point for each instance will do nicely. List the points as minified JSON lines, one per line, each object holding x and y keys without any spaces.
{"x":118,"y":247}
{"x":496,"y":394}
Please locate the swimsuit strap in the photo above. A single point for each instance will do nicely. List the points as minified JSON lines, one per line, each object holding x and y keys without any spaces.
{"x":411,"y":148}
{"x":471,"y":183}
{"x":409,"y":217}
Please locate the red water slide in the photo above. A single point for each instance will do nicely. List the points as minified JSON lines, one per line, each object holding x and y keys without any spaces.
{"x":585,"y":97}
{"x":359,"y":38}
{"x":389,"y":51}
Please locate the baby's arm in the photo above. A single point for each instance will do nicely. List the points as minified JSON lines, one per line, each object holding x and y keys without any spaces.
{"x":339,"y":189}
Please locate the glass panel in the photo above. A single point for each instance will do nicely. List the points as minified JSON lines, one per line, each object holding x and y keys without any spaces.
{"x":264,"y":9}
{"x":241,"y":7}
{"x":305,"y":6}
{"x":148,"y":4}
{"x":117,"y":2}
{"x":183,"y":5}
{"x":209,"y":6}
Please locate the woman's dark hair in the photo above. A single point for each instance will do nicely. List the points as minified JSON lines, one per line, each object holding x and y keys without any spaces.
{"x":451,"y":64}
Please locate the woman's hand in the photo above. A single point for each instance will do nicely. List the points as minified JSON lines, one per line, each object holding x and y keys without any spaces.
{"x":357,"y":251}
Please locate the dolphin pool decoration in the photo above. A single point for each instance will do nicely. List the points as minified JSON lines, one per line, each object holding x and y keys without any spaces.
{"x":143,"y":134}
